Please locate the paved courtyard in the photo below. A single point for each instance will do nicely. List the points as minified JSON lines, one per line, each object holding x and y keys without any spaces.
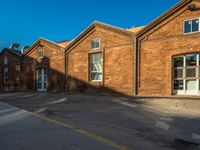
{"x":159,"y":124}
{"x":20,"y":130}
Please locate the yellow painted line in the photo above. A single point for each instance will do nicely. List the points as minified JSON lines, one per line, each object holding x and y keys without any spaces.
{"x":78,"y":130}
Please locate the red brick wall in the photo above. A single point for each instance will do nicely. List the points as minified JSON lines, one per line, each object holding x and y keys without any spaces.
{"x":158,"y":46}
{"x":118,"y":56}
{"x":13,"y":84}
{"x":53,"y":61}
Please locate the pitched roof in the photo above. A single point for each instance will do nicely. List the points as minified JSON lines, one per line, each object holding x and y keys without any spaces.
{"x":38,"y":42}
{"x":15,"y":52}
{"x":164,"y":16}
{"x":99,"y":24}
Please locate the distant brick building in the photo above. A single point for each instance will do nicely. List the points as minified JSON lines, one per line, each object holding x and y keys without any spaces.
{"x":43,"y":67}
{"x":10,"y":70}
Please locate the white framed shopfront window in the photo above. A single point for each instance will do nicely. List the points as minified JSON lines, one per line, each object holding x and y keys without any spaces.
{"x":186,"y":74}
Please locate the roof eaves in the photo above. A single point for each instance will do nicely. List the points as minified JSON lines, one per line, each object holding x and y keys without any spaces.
{"x":162,"y":17}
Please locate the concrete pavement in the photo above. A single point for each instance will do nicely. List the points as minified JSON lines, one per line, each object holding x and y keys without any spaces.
{"x":19,"y":130}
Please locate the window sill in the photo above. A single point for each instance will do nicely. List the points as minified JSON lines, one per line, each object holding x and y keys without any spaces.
{"x":191,"y":33}
{"x":96,"y":81}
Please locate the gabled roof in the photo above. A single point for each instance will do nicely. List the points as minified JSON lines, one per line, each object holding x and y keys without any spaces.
{"x":102,"y":25}
{"x":15,"y":52}
{"x":64,"y":43}
{"x":164,"y":16}
{"x":38,"y":42}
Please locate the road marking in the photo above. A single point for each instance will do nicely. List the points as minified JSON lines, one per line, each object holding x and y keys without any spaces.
{"x":124,"y":103}
{"x":89,"y":134}
{"x":162,"y":125}
{"x":57,"y":101}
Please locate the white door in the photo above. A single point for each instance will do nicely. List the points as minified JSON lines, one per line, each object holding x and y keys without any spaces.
{"x":42,"y":79}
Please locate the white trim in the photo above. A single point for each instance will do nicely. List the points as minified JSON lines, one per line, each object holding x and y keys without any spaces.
{"x":42,"y":89}
{"x":90,"y":72}
{"x":191,"y":26}
{"x":185,"y":79}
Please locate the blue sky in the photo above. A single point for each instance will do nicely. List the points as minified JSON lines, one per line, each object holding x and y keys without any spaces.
{"x":24,"y":21}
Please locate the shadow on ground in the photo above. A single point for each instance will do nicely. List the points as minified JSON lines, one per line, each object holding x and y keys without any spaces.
{"x":137,"y":125}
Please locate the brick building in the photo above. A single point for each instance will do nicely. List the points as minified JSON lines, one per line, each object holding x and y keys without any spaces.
{"x":101,"y":59}
{"x":10,"y":70}
{"x":43,"y":66}
{"x":169,"y":52}
{"x":160,"y":59}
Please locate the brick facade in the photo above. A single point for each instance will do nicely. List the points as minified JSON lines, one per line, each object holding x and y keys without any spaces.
{"x":157,"y":47}
{"x":68,"y":63}
{"x":116,"y":46}
{"x":13,"y":65}
{"x":53,"y":62}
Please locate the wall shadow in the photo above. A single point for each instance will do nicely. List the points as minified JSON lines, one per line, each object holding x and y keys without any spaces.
{"x":57,"y":81}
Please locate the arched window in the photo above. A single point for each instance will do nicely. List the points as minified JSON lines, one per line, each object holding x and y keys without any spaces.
{"x":186,"y":74}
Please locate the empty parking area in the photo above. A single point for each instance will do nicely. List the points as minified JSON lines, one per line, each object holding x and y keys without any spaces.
{"x":128,"y":121}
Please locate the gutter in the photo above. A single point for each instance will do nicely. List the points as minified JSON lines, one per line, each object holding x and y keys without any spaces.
{"x":135,"y":66}
{"x":65,"y":69}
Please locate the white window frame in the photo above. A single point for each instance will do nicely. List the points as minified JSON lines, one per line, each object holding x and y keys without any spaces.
{"x":191,"y":26}
{"x":197,"y":78}
{"x":39,"y":53}
{"x":90,"y":71}
{"x":94,"y":41}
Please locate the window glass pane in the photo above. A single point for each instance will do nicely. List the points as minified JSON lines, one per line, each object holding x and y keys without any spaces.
{"x":45,"y":71}
{"x":39,"y":71}
{"x":191,"y":72}
{"x":191,"y":60}
{"x":191,"y":84}
{"x":187,"y":26}
{"x":96,"y":76}
{"x":178,"y":73}
{"x":39,"y":85}
{"x":45,"y":85}
{"x":178,"y":62}
{"x":40,"y":78}
{"x":178,"y":84}
{"x":5,"y":79}
{"x":5,"y":69}
{"x":45,"y":78}
{"x":5,"y":60}
{"x":6,"y":74}
{"x":195,"y":25}
{"x":96,"y":43}
{"x":40,"y":53}
{"x":96,"y":66}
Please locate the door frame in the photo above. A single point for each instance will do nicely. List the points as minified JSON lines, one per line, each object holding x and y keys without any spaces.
{"x":42,"y":78}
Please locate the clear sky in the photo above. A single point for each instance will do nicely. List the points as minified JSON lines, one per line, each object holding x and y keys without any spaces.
{"x":24,"y":21}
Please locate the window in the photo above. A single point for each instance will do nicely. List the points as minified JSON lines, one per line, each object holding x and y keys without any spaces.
{"x":40,"y":54}
{"x":95,"y":43}
{"x":96,"y":67}
{"x":5,"y":60}
{"x":5,"y":74}
{"x":191,"y":26}
{"x":187,"y":73}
